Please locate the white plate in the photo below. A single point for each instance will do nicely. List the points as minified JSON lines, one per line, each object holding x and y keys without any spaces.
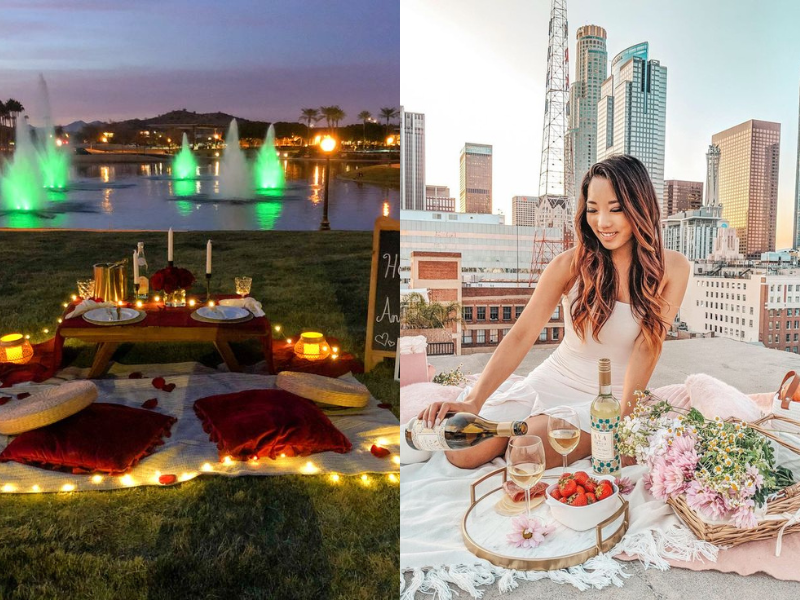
{"x":223,"y":313}
{"x":107,"y":316}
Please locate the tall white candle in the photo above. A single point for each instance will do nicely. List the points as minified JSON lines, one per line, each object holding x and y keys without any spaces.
{"x":169,"y":245}
{"x":208,"y":257}
{"x":135,"y":267}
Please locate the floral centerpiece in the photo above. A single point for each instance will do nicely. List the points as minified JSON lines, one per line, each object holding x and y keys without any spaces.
{"x":173,"y":282}
{"x":725,"y":470}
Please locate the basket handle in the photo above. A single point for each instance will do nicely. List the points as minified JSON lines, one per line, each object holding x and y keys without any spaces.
{"x":769,"y":433}
{"x":788,"y":391}
{"x":600,"y":526}
{"x":474,"y":484}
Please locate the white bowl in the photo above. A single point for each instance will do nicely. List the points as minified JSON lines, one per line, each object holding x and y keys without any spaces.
{"x":581,"y":518}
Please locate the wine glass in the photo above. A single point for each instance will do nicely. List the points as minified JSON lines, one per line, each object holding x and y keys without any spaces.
{"x":563,"y":431}
{"x":525,"y":463}
{"x":243,"y":285}
{"x":86,"y":288}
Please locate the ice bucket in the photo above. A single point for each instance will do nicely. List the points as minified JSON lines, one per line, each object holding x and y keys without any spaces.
{"x":110,"y":280}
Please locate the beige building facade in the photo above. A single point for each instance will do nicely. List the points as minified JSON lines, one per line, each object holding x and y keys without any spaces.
{"x":475,"y":169}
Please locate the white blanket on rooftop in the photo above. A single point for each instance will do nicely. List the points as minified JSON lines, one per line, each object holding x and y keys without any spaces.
{"x":188,"y":449}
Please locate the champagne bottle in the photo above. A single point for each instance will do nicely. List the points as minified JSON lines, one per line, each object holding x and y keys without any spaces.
{"x":458,"y":431}
{"x":144,"y":281}
{"x":605,"y":412}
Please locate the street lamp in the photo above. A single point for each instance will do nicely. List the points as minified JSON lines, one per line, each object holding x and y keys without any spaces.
{"x":327,"y":144}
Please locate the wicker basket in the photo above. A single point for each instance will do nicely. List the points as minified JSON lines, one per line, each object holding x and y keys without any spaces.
{"x":787,"y":503}
{"x":324,"y":390}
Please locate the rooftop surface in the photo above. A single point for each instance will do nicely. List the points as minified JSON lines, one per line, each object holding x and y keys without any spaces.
{"x":747,"y":367}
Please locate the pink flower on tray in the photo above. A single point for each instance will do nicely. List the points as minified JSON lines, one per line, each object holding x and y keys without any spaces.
{"x":528,"y":532}
{"x":625,"y":485}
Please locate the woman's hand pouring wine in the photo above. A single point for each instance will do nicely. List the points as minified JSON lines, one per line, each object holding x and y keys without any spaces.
{"x":434,"y":414}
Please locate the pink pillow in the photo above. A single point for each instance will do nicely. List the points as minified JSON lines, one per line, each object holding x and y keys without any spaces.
{"x":715,"y":398}
{"x":415,"y":397}
{"x":676,"y":394}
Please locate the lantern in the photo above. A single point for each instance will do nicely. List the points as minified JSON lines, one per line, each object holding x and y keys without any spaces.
{"x":14,"y":348}
{"x":312,"y":346}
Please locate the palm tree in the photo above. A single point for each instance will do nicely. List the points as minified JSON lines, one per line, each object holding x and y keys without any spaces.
{"x":309,"y":116}
{"x":328,"y":114}
{"x":389,"y":114}
{"x":417,"y":313}
{"x":365,"y":116}
{"x":14,"y":107}
{"x":337,"y":114}
{"x":3,"y":125}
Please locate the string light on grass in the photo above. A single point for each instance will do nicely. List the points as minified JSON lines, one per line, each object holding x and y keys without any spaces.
{"x":68,"y":487}
{"x":65,"y":305}
{"x":127,"y":480}
{"x":74,"y":297}
{"x":45,"y":330}
{"x":365,"y":480}
{"x":309,"y":468}
{"x":60,"y":320}
{"x":227,"y":461}
{"x":289,"y":342}
{"x":335,"y":478}
{"x":283,"y":455}
{"x":277,"y":328}
{"x":187,"y":476}
{"x":9,"y":488}
{"x":207,"y":468}
{"x":97,"y":479}
{"x":253,"y":460}
{"x":393,"y":478}
{"x":396,"y":459}
{"x":36,"y":489}
{"x":335,"y":349}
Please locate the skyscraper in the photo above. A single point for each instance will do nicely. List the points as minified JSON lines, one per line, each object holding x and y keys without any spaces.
{"x":681,"y":196}
{"x":796,"y":233}
{"x":632,"y":113}
{"x":748,"y":182}
{"x":412,"y":160}
{"x":437,"y":198}
{"x":551,"y":173}
{"x":712,"y":176}
{"x":475,"y":195}
{"x":584,"y":94}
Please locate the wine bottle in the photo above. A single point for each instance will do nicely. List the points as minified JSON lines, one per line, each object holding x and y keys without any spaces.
{"x":144,"y":281}
{"x":605,"y":412}
{"x":458,"y":431}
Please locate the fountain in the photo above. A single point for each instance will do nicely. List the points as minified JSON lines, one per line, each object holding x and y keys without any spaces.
{"x":53,"y":161}
{"x":268,"y":171}
{"x":184,"y":165}
{"x":21,"y":187}
{"x":234,"y":179}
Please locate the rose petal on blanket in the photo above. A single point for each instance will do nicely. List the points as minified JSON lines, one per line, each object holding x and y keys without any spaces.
{"x":4,"y":399}
{"x":158,"y":383}
{"x":152,"y":403}
{"x":167,"y":479}
{"x":23,"y":395}
{"x":135,"y":375}
{"x":517,"y":494}
{"x":384,"y":405}
{"x":168,"y":387}
{"x":379,"y":451}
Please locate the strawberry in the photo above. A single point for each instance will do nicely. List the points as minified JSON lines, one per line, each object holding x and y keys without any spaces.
{"x":580,"y":489}
{"x":578,"y":500}
{"x":556,"y":494}
{"x":581,"y":477}
{"x":603,"y":491}
{"x":563,"y":500}
{"x":568,"y":487}
{"x":589,"y":486}
{"x":590,"y":498}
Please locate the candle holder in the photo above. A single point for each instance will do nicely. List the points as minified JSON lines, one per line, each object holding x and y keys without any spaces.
{"x":135,"y":292}
{"x":208,"y":285}
{"x":170,"y":263}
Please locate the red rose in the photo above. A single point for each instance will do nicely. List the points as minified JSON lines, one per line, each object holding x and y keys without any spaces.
{"x":170,"y":279}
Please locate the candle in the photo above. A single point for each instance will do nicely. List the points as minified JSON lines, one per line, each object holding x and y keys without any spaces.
{"x":208,"y":257}
{"x":169,"y":245}
{"x":135,"y":267}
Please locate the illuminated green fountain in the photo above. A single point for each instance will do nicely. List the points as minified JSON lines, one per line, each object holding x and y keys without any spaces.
{"x":268,"y":172}
{"x":184,"y":165}
{"x":53,"y":160}
{"x":21,"y":188}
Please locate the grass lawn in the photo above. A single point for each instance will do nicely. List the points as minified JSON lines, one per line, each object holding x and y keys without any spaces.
{"x":385,"y":175}
{"x":212,"y":537}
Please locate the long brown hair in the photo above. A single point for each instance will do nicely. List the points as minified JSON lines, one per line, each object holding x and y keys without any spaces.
{"x":592,"y":264}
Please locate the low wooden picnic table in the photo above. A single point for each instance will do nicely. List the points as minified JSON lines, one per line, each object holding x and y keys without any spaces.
{"x":163,"y":324}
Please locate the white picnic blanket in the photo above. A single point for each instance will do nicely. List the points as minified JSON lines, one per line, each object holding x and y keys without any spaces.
{"x":434,"y":496}
{"x":188,"y":452}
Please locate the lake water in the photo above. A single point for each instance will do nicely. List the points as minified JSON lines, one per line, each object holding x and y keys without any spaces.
{"x":143,"y":196}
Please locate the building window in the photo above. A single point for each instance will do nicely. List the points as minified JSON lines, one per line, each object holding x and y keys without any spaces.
{"x":506,"y":313}
{"x":468,"y":313}
{"x":518,"y":311}
{"x":480,"y":338}
{"x":481,"y":313}
{"x":543,"y":335}
{"x":505,"y":332}
{"x":466,"y":338}
{"x":788,"y":337}
{"x":777,"y":324}
{"x":493,"y":336}
{"x":557,"y":313}
{"x":555,"y":333}
{"x":494,"y":312}
{"x":751,"y":322}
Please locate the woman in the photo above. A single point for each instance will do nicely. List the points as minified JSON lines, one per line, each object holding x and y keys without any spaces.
{"x":619,"y":289}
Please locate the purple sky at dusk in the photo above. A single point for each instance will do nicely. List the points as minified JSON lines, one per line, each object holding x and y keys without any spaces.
{"x":259,"y":60}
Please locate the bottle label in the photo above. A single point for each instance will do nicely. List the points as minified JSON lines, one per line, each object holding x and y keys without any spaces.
{"x":428,"y":439}
{"x":605,"y":458}
{"x":144,"y":286}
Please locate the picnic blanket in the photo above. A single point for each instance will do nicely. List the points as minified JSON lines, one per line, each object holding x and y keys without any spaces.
{"x":188,"y":452}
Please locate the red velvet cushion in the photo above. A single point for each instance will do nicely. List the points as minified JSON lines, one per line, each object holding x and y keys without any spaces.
{"x":268,"y":423}
{"x":108,"y":438}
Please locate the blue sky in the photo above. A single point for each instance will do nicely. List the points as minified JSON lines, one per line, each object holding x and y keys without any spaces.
{"x":477,"y":69}
{"x":256,"y":59}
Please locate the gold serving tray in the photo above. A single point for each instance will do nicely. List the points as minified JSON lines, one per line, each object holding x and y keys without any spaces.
{"x":549,"y":563}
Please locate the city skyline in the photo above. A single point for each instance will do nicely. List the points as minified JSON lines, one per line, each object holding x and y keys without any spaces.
{"x":115,"y":61}
{"x":756,"y":77}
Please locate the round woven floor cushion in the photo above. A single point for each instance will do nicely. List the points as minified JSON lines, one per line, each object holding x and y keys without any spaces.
{"x":46,"y":407}
{"x":325,"y":390}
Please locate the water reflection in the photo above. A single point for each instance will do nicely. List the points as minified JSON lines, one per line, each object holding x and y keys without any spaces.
{"x":106,"y":205}
{"x":267,"y":214}
{"x":184,"y":207}
{"x":183,"y":188}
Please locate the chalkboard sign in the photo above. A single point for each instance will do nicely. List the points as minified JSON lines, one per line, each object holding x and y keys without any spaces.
{"x":383,"y":320}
